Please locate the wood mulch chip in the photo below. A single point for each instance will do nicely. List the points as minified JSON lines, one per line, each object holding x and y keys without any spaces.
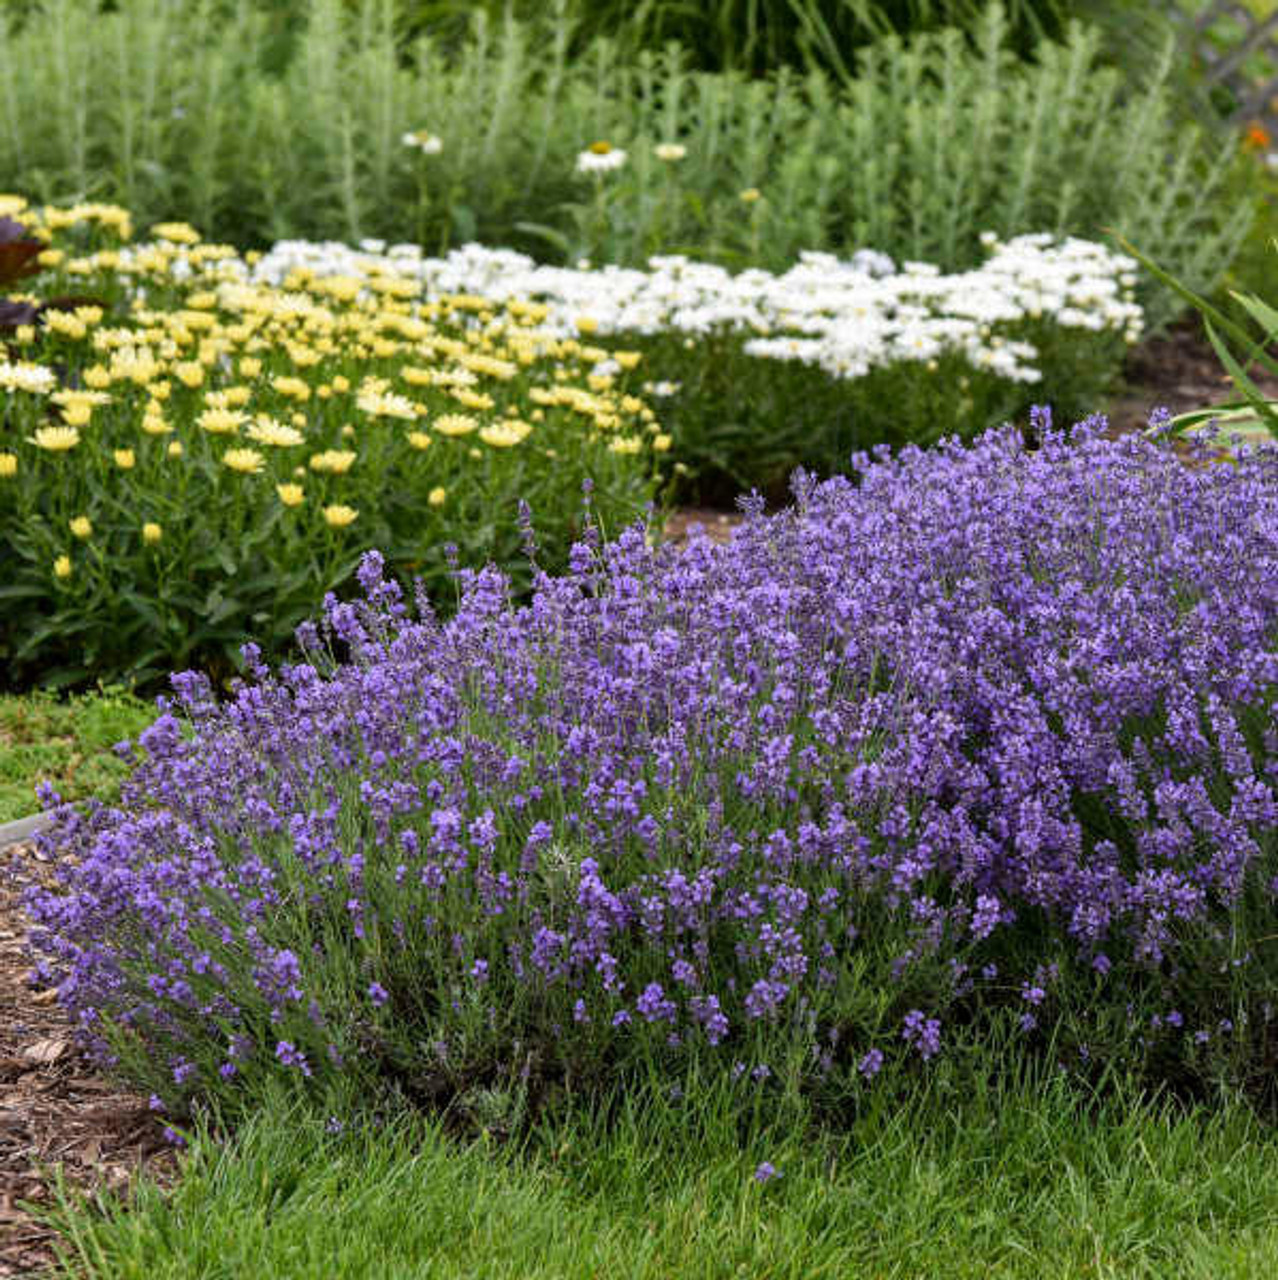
{"x":717,"y":525}
{"x":55,"y":1109}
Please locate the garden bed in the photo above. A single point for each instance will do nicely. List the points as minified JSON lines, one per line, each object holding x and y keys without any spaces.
{"x":56,"y":1110}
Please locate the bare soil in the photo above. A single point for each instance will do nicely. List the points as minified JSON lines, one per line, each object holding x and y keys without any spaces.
{"x":1179,"y":372}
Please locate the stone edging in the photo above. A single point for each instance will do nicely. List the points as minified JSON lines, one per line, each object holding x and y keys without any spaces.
{"x":23,"y":829}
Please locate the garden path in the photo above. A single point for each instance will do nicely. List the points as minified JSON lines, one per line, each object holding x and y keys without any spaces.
{"x":53,"y":1107}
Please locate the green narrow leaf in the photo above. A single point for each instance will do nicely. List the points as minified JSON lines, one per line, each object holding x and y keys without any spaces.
{"x":1249,"y":389}
{"x":1200,"y":304}
{"x":144,"y":608}
{"x":557,"y":239}
{"x":22,"y":592}
{"x":1267,"y":318}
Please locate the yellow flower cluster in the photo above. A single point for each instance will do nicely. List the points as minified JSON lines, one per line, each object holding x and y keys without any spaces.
{"x":356,"y":384}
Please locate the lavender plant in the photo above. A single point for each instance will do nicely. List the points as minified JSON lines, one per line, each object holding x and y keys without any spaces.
{"x":979,"y":738}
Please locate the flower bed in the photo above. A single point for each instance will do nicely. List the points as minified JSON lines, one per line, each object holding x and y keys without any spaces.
{"x":868,"y":353}
{"x":984,"y":736}
{"x":186,"y":457}
{"x":847,"y":317}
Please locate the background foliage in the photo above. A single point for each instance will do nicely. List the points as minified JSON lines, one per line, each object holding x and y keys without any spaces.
{"x":255,"y":129}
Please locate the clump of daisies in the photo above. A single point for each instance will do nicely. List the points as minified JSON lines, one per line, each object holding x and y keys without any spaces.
{"x":843,"y":316}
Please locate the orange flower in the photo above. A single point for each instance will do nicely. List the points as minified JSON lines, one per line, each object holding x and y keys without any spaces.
{"x":1256,"y":138}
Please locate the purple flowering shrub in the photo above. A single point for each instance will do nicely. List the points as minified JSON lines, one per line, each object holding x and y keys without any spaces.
{"x":982,"y":734}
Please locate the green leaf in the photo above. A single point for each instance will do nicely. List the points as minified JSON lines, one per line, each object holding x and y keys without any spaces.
{"x":1200,"y":304}
{"x":1254,"y":396}
{"x":1194,"y":417}
{"x":1267,"y":318}
{"x":227,"y":607}
{"x":1230,"y":436}
{"x":143,"y":608}
{"x":464,"y":222}
{"x":20,"y":592}
{"x":550,"y":235}
{"x":62,"y":677}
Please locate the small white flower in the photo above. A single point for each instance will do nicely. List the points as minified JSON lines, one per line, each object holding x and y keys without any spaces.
{"x":425,"y":142}
{"x":600,"y":157}
{"x":34,"y":378}
{"x":670,"y":151}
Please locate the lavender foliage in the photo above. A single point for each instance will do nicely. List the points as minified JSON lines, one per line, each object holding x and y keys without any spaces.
{"x":946,"y":736}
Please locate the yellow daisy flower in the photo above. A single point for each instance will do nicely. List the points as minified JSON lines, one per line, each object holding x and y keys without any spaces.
{"x":339,"y":516}
{"x":176,"y":232}
{"x":269,"y":432}
{"x":56,"y":439}
{"x":247,"y":461}
{"x":455,"y":424}
{"x":333,"y":461}
{"x":221,"y":422}
{"x":504,"y":435}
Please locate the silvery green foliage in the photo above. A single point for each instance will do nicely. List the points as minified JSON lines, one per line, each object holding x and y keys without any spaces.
{"x":164,"y":108}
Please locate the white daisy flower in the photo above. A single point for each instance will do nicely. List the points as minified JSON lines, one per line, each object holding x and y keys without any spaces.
{"x":600,"y":157}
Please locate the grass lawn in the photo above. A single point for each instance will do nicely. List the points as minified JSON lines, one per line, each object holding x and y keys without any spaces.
{"x":67,"y":742}
{"x":1019,"y":1177}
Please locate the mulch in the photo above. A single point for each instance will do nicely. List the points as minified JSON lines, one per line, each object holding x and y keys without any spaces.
{"x":55,"y":1109}
{"x":1178,"y":371}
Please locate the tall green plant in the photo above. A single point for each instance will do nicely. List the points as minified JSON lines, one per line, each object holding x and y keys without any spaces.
{"x":934,"y":139}
{"x":761,"y":36}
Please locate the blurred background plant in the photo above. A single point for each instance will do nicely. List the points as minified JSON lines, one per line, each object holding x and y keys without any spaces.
{"x":261,"y":121}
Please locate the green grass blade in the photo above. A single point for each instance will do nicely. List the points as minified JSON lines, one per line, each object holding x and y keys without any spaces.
{"x":1199,"y":303}
{"x":1243,"y":382}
